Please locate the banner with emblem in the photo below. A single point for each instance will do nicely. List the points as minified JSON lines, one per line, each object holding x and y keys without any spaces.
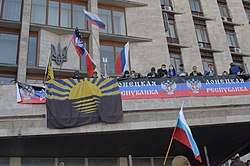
{"x":173,"y":87}
{"x":30,"y":94}
{"x":75,"y":102}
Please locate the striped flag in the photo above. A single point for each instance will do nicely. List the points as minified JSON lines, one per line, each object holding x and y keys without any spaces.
{"x":122,"y":61}
{"x":94,"y":19}
{"x":49,"y":73}
{"x":91,"y":66}
{"x":183,"y":134}
{"x":78,"y":43}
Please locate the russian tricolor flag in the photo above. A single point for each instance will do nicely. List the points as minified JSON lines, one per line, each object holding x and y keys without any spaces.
{"x":122,"y":61}
{"x":183,"y":134}
{"x":94,"y":19}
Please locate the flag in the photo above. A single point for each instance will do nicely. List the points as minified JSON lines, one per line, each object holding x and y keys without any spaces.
{"x":183,"y":134}
{"x":78,"y":43}
{"x":94,"y":19}
{"x":75,"y":102}
{"x":91,"y":67}
{"x":122,"y":61}
{"x":49,"y":73}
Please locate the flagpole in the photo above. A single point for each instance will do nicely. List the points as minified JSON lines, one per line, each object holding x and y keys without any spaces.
{"x":206,"y":154}
{"x":171,"y":141}
{"x":46,"y":68}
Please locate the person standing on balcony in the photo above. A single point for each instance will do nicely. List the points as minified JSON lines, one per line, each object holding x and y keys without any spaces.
{"x":235,"y":69}
{"x":162,"y":72}
{"x":195,"y":72}
{"x":152,"y":73}
{"x":171,"y":71}
{"x":181,"y":72}
{"x":210,"y":71}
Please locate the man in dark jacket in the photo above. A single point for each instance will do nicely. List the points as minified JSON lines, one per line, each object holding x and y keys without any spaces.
{"x":235,"y":69}
{"x":162,"y":72}
{"x":195,"y":72}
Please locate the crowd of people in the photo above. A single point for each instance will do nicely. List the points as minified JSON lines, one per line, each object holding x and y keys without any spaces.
{"x":236,"y":161}
{"x":180,"y":72}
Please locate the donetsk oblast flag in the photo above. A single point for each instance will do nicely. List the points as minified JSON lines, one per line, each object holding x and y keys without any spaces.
{"x":75,"y":102}
{"x":183,"y":134}
{"x":94,"y":19}
{"x":122,"y":61}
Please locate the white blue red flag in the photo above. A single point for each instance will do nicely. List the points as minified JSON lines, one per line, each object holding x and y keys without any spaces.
{"x":78,"y":43}
{"x":183,"y":134}
{"x":94,"y":19}
{"x":122,"y":61}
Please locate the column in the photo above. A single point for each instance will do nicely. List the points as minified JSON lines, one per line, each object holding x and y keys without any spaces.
{"x":15,"y":161}
{"x":24,"y":41}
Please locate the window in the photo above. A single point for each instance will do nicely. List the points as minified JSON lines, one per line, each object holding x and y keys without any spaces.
{"x":59,"y":13}
{"x":9,"y":41}
{"x":224,"y":11}
{"x":166,"y":3}
{"x":114,"y":20}
{"x":11,"y":9}
{"x":32,"y":52}
{"x":207,"y":58}
{"x":231,"y":39}
{"x":103,"y":162}
{"x":38,"y":162}
{"x":71,"y":161}
{"x":65,"y":18}
{"x":38,"y":12}
{"x":201,"y":34}
{"x":78,"y":17}
{"x":195,"y":5}
{"x":110,"y":51}
{"x":4,"y":161}
{"x":53,"y":13}
{"x":142,"y":162}
{"x":175,"y":59}
{"x":248,"y":13}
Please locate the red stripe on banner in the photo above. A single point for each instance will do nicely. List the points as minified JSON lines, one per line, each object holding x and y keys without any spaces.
{"x":31,"y":100}
{"x":93,"y":22}
{"x":118,"y":65}
{"x":129,"y":95}
{"x":181,"y":136}
{"x":89,"y":63}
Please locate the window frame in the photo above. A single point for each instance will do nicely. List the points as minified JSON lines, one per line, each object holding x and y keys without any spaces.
{"x":15,"y":32}
{"x":204,"y":33}
{"x":195,"y":2}
{"x":208,"y":58}
{"x":118,"y":9}
{"x":224,"y":10}
{"x":2,"y":10}
{"x":33,"y":34}
{"x":232,"y":34}
{"x":114,"y":45}
{"x":71,"y":3}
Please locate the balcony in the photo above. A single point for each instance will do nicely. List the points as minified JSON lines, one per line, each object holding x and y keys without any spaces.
{"x":172,"y":40}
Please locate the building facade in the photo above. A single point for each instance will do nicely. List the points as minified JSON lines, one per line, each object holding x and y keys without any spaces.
{"x":189,"y":32}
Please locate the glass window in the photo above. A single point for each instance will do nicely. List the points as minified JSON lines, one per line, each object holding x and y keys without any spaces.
{"x":195,"y":5}
{"x":105,"y":16}
{"x":119,"y":23}
{"x":32,"y":51}
{"x":4,"y":161}
{"x":107,"y":52}
{"x":206,"y":61}
{"x":0,"y":7}
{"x":12,"y":10}
{"x":38,"y":12}
{"x":166,"y":2}
{"x":231,"y":39}
{"x":224,"y":11}
{"x":171,"y":31}
{"x":175,"y":59}
{"x":103,"y":162}
{"x":141,"y":162}
{"x":79,"y":17}
{"x":53,"y":13}
{"x":38,"y":162}
{"x":8,"y":41}
{"x":248,"y":14}
{"x":71,"y":162}
{"x":201,"y":34}
{"x":65,"y":19}
{"x":117,"y":52}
